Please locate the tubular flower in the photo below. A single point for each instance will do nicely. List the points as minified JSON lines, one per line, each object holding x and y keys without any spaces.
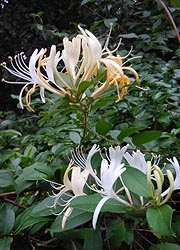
{"x":82,"y":58}
{"x":70,"y":56}
{"x":109,"y":173}
{"x":32,"y":75}
{"x":111,"y":170}
{"x":176,"y":166}
{"x":137,"y":160}
{"x":85,"y":163}
{"x":75,"y":185}
{"x":115,"y":75}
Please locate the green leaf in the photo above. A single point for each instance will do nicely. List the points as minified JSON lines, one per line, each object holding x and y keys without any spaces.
{"x":76,"y":218}
{"x":83,"y":86}
{"x":100,"y":103}
{"x":92,"y":239}
{"x":36,"y":171}
{"x":130,"y":35}
{"x":44,"y":208}
{"x":176,"y":3}
{"x":88,"y":203}
{"x":25,"y":220}
{"x":117,"y":232}
{"x":165,"y":246}
{"x":30,"y":151}
{"x":75,"y":137}
{"x":110,"y":21}
{"x":21,"y":184}
{"x":10,"y":132}
{"x":7,"y":218}
{"x":6,"y":180}
{"x":5,"y":243}
{"x":136,"y":181}
{"x":87,"y":1}
{"x":159,"y":220}
{"x":103,"y":127}
{"x":129,"y":131}
{"x":176,"y":226}
{"x":145,"y":137}
{"x":5,"y":155}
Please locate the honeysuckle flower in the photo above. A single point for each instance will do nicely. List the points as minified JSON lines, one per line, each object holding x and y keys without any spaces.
{"x":110,"y":172}
{"x":32,"y":75}
{"x":91,"y":54}
{"x":70,"y":56}
{"x":80,"y":160}
{"x":85,"y":163}
{"x":136,"y":160}
{"x":82,"y":58}
{"x":176,"y":166}
{"x":74,"y":185}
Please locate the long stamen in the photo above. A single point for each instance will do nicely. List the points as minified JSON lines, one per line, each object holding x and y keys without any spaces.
{"x":21,"y":67}
{"x":107,"y":41}
{"x":22,"y":60}
{"x":134,"y":57}
{"x":16,"y":72}
{"x":110,"y":52}
{"x":78,"y":157}
{"x":16,"y":66}
{"x":3,"y":80}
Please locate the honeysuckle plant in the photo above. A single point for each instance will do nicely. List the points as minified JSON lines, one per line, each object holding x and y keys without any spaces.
{"x":81,"y":72}
{"x":127,"y":178}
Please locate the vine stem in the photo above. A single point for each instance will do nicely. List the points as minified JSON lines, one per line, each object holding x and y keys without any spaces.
{"x":6,"y":194}
{"x":14,"y":203}
{"x":86,"y":112}
{"x":171,"y":19}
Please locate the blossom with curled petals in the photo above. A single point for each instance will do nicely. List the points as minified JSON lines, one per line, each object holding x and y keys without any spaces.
{"x":75,"y":185}
{"x":82,"y":58}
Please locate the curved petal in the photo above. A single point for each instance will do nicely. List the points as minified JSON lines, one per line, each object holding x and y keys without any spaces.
{"x":66,"y":215}
{"x":117,"y":153}
{"x":78,"y":180}
{"x":176,"y":166}
{"x":71,"y":54}
{"x":97,"y":210}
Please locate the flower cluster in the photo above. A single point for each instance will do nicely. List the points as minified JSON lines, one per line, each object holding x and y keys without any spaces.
{"x":80,"y":60}
{"x":111,"y":179}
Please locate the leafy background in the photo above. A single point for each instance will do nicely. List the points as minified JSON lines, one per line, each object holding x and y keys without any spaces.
{"x":36,"y":145}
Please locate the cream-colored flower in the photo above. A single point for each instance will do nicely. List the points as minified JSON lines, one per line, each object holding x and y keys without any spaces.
{"x":82,"y":58}
{"x":32,"y":75}
{"x":111,"y":170}
{"x":71,"y":188}
{"x":71,"y":57}
{"x":176,"y":167}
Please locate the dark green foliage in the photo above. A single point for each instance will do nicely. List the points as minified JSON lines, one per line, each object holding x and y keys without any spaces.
{"x":35,"y":147}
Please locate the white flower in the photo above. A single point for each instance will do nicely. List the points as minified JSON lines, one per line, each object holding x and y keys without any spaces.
{"x":85,"y":163}
{"x":70,"y":56}
{"x":176,"y":166}
{"x":82,"y":58}
{"x":137,"y":160}
{"x":117,"y":153}
{"x":75,"y":185}
{"x":32,"y":75}
{"x":91,"y":54}
{"x":110,"y":172}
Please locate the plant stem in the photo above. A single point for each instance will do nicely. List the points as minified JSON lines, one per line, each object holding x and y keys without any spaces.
{"x":86,"y":112}
{"x":171,"y":19}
